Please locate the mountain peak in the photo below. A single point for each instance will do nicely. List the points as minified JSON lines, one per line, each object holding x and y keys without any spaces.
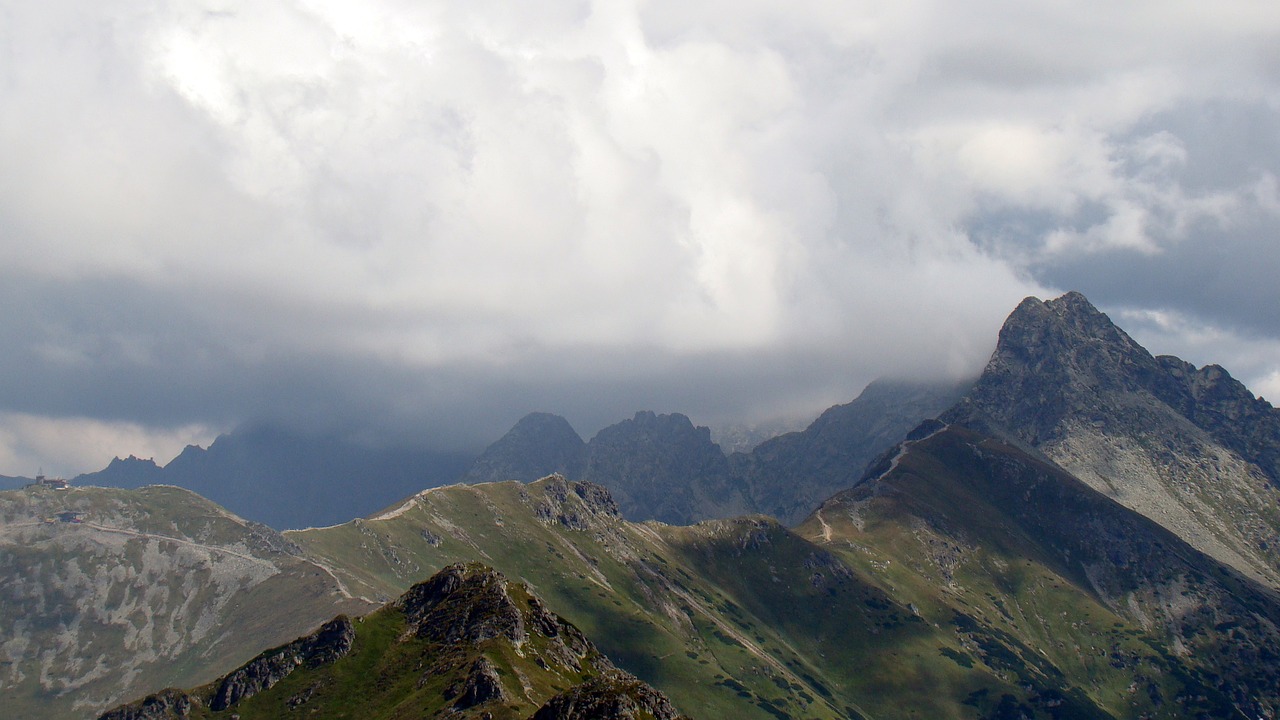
{"x":466,"y":602}
{"x":1073,"y":301}
{"x":539,"y":444}
{"x":1068,"y":316}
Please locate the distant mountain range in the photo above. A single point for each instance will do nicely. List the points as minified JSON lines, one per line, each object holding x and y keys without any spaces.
{"x":1086,"y":531}
{"x":658,"y":466}
{"x":662,"y":467}
{"x":290,"y":480}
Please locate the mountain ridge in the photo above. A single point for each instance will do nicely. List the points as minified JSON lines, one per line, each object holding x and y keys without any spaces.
{"x":1067,"y":382}
{"x":464,"y":643}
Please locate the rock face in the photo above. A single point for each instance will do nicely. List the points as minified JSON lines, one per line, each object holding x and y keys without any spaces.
{"x":616,"y":696}
{"x":1190,"y":448}
{"x":161,"y":706}
{"x":463,"y":604}
{"x":331,"y":642}
{"x":575,"y":505}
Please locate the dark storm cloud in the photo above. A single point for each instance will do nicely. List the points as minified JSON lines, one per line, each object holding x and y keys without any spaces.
{"x":1208,"y":230}
{"x":1223,"y":276}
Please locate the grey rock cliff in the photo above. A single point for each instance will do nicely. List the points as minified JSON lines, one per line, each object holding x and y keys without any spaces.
{"x":331,"y":642}
{"x":1190,"y":448}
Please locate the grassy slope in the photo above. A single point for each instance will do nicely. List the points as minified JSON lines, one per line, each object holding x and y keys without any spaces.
{"x":1041,"y":576}
{"x":389,"y":677}
{"x":612,"y":579}
{"x":743,"y":618}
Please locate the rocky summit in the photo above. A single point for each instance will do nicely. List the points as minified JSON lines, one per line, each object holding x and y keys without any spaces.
{"x":1190,"y":448}
{"x":465,"y":643}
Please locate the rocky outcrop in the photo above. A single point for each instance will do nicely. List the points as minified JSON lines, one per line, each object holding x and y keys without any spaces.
{"x":465,"y":603}
{"x":613,"y":696}
{"x":168,"y":704}
{"x":331,"y":642}
{"x":1223,"y":407}
{"x":480,"y":685}
{"x":575,"y":505}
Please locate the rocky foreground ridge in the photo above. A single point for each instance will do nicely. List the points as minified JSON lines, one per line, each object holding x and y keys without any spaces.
{"x":465,"y":643}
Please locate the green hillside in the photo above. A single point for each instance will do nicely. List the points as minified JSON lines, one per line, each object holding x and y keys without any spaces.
{"x":877,"y":617}
{"x":1039,"y":575}
{"x":465,"y":643}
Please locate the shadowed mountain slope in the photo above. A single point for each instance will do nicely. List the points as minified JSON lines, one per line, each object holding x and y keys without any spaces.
{"x":791,"y":474}
{"x":290,"y":480}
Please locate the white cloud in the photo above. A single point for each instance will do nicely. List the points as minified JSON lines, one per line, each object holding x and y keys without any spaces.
{"x":66,"y":447}
{"x":1268,"y":386}
{"x":1251,"y":360}
{"x":428,"y":186}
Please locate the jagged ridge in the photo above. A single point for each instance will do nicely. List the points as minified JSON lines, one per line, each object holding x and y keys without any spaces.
{"x":464,"y":643}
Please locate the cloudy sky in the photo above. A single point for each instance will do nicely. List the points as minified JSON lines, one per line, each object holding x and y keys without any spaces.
{"x":418,"y":220}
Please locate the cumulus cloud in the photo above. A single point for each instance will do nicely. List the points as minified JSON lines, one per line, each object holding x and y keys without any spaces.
{"x":444,"y":215}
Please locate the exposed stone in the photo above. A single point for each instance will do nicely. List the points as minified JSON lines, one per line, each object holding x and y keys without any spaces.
{"x":480,"y":685}
{"x":167,"y":704}
{"x":1190,"y":448}
{"x":612,"y":696}
{"x":462,"y":603}
{"x":331,"y":642}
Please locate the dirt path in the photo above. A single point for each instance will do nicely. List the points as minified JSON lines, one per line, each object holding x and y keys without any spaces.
{"x":826,"y":529}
